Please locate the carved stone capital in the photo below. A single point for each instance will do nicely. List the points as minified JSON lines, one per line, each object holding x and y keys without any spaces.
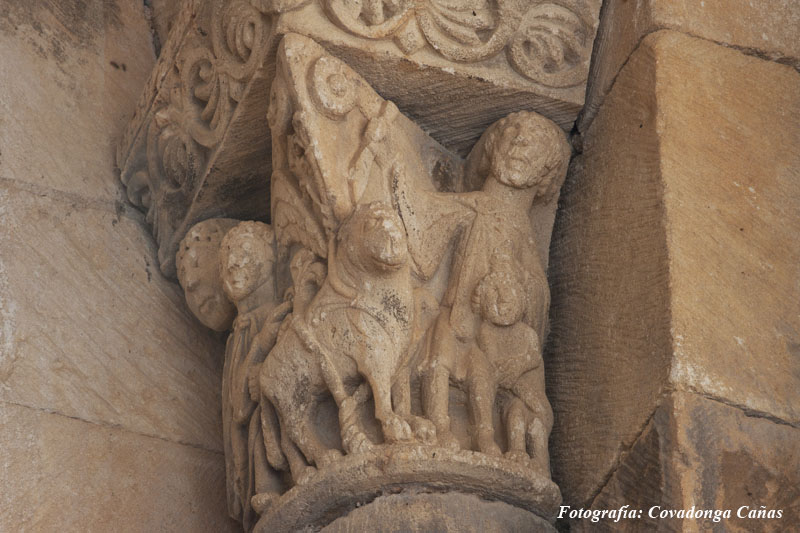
{"x":390,"y":319}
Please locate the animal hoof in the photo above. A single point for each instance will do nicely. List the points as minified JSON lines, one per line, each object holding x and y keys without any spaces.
{"x":487,"y":445}
{"x":354,"y":441}
{"x":328,"y":457}
{"x":424,"y":430}
{"x":445,"y":439}
{"x":518,"y":457}
{"x":396,"y":429}
{"x":261,"y":502}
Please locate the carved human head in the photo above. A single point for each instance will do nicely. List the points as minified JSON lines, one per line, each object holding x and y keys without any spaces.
{"x":501,"y":295}
{"x":247,"y":259}
{"x":375,"y":237}
{"x":526,"y":150}
{"x":198,"y":273}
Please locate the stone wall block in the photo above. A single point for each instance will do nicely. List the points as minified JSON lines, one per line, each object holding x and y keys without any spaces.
{"x":90,"y":328}
{"x":766,"y":29}
{"x":675,"y":260}
{"x":729,"y":137}
{"x":609,"y":348}
{"x":704,"y":454}
{"x":62,"y":474}
{"x":69,"y":75}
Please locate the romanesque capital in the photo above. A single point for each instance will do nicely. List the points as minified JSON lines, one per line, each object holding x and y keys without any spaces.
{"x":390,"y":319}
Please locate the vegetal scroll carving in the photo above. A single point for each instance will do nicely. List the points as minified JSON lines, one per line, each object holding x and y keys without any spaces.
{"x":547,"y":42}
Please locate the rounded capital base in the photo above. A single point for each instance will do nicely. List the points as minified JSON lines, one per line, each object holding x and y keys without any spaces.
{"x":508,"y":490}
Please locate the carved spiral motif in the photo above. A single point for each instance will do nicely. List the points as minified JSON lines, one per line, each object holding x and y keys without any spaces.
{"x":551,"y":46}
{"x":181,"y":159}
{"x":469,"y":30}
{"x":333,"y":87}
{"x":466,"y":31}
{"x":549,"y":43}
{"x":373,"y":19}
{"x":214,"y":79}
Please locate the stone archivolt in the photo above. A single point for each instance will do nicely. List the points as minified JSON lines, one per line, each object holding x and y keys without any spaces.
{"x":390,"y":320}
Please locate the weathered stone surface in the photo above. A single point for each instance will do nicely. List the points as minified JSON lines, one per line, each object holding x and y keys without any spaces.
{"x":198,"y":145}
{"x":455,"y":90}
{"x":730,"y":165}
{"x":70,"y":73}
{"x":703,"y":453}
{"x":88,"y":329}
{"x":430,"y":512}
{"x":764,"y":29}
{"x":609,"y":349}
{"x":164,"y":13}
{"x":61,"y":474}
{"x":89,"y":320}
{"x":395,"y":276}
{"x":360,"y":478}
{"x":675,"y":257}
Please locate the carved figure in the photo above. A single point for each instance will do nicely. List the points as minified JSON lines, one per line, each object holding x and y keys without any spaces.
{"x":198,"y":273}
{"x":246,"y":266}
{"x":508,"y":354}
{"x":524,"y":159}
{"x":356,"y":328}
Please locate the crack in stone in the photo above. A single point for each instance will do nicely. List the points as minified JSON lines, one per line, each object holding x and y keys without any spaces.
{"x":115,"y":426}
{"x":752,"y":413}
{"x":585,"y":124}
{"x":117,"y":207}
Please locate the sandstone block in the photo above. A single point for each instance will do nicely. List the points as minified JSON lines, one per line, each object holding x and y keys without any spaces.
{"x":61,"y":474}
{"x":89,"y":327}
{"x":675,"y":257}
{"x":727,"y":461}
{"x":764,"y":29}
{"x":69,"y":75}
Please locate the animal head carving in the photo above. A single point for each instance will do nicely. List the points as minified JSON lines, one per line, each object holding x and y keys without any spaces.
{"x":374,"y":238}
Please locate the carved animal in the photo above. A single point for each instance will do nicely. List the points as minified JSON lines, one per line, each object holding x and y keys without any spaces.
{"x":357,"y":328}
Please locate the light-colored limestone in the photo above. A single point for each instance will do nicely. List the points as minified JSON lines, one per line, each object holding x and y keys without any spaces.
{"x":69,"y":77}
{"x":767,"y":29}
{"x":397,"y":513}
{"x":62,"y":474}
{"x":730,"y":164}
{"x":88,"y":328}
{"x":94,"y":325}
{"x":676,"y":259}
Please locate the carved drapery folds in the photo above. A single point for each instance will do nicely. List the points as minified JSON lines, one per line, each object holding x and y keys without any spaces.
{"x":198,"y":146}
{"x":390,"y":320}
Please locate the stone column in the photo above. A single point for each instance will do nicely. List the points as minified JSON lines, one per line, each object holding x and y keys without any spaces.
{"x":673,"y":365}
